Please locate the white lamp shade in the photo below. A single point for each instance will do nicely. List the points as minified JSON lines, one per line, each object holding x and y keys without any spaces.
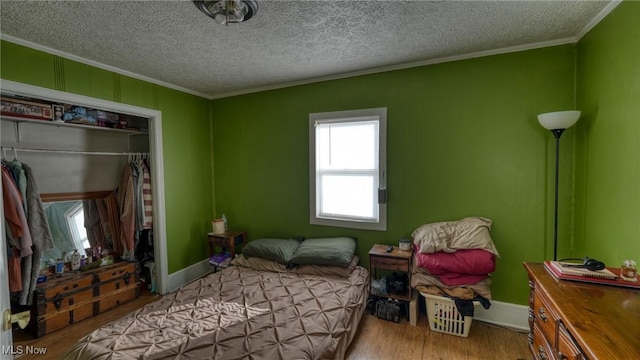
{"x":558,"y":119}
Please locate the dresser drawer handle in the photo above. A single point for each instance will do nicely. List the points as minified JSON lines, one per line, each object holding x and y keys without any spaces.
{"x":57,"y":301}
{"x":541,"y":354}
{"x":542,"y":314}
{"x":126,"y":277}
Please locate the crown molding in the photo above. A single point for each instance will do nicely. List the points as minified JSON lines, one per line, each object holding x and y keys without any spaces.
{"x":99,"y":65}
{"x":505,"y":50}
{"x":601,"y":15}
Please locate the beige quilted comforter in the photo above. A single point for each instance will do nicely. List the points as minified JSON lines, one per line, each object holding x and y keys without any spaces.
{"x":239,"y":313}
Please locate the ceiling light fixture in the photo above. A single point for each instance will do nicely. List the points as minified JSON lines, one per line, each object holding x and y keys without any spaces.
{"x":228,"y":11}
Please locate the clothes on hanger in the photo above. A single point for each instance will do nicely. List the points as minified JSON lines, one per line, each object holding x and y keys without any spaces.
{"x":93,"y":223}
{"x":126,"y":207}
{"x":14,"y":213}
{"x":27,"y":230}
{"x":136,"y":173}
{"x":40,"y":234}
{"x":135,"y":203}
{"x":147,"y":198}
{"x":116,"y":222}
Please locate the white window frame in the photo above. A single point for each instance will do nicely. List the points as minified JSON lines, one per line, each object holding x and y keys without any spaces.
{"x":373,"y":114}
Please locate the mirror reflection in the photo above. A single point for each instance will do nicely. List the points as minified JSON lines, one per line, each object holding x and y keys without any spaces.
{"x":90,"y":222}
{"x":80,"y":221}
{"x":66,"y":222}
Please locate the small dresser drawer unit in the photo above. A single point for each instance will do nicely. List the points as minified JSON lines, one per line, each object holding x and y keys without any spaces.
{"x":394,"y":260}
{"x":389,"y":263}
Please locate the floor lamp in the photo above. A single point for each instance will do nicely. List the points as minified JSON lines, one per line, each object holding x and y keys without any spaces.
{"x":557,"y":122}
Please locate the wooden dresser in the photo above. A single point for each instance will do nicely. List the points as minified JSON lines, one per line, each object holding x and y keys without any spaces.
{"x":575,"y":320}
{"x":74,"y":296}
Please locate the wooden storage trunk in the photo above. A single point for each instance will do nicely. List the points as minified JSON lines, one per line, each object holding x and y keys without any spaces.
{"x":62,"y":301}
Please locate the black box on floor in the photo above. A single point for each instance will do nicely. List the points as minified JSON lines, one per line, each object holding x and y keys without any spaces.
{"x":388,"y":309}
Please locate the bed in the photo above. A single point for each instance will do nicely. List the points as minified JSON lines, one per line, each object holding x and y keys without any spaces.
{"x":256,"y":309}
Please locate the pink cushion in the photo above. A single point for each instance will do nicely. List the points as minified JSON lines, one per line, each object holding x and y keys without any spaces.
{"x":466,"y":261}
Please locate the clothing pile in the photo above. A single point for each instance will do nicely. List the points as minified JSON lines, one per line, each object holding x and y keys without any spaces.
{"x":455,"y":259}
{"x":27,"y":229}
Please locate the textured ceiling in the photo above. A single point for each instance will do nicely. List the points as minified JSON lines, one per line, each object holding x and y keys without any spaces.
{"x":287,"y":42}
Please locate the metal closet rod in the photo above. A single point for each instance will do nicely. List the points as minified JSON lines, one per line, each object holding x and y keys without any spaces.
{"x":74,"y":152}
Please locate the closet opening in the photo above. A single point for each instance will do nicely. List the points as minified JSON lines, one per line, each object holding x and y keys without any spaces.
{"x":78,"y":161}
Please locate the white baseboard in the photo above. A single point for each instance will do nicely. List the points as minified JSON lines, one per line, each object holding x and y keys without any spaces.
{"x":504,"y":314}
{"x":188,"y":274}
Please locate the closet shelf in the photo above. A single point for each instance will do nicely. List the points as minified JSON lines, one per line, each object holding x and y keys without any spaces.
{"x":18,"y":120}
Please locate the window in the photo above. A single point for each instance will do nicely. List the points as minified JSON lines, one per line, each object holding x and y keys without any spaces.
{"x":75,"y":220}
{"x":347,"y":168}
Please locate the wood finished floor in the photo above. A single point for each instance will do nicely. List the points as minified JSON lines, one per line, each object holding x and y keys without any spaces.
{"x":375,"y":339}
{"x":381,"y":339}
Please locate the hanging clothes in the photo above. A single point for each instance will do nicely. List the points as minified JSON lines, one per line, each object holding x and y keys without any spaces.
{"x":15,"y":271}
{"x":27,"y":228}
{"x":15,"y":214}
{"x":147,"y":196}
{"x":136,"y":172}
{"x":135,"y":206}
{"x":13,"y":227}
{"x":105,"y":222}
{"x":115,"y":227}
{"x":40,"y":235}
{"x":93,"y":225}
{"x":126,"y":206}
{"x":18,"y":174}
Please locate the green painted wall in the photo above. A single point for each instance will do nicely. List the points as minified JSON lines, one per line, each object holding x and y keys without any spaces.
{"x":463,"y":140}
{"x":188,"y":176}
{"x":186,"y":130}
{"x":607,"y":141}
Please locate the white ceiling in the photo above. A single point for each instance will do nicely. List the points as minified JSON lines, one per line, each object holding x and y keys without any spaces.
{"x":288,"y":42}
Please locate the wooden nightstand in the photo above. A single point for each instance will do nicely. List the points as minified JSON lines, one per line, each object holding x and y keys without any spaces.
{"x":396,"y":260}
{"x":227,"y":240}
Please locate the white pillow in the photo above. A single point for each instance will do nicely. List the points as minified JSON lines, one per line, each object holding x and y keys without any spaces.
{"x":449,"y":236}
